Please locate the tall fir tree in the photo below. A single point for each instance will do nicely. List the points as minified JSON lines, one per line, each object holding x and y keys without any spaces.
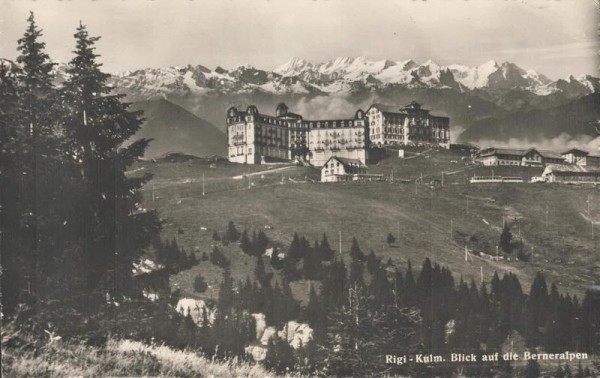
{"x":113,"y":231}
{"x":33,"y":178}
{"x":356,"y":332}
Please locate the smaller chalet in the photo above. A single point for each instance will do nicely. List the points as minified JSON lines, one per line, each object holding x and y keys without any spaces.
{"x":571,"y":174}
{"x":338,"y":169}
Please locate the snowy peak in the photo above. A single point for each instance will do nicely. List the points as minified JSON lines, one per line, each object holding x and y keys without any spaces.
{"x":347,"y":74}
{"x":293,"y":68}
{"x":340,"y":75}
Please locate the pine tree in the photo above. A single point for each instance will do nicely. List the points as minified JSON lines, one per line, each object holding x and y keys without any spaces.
{"x":325,"y":251}
{"x":355,"y":252}
{"x":390,"y":239}
{"x":294,"y":254}
{"x":97,"y":125}
{"x":506,"y":239}
{"x":226,"y":297}
{"x":276,"y":262}
{"x":373,"y":263}
{"x":260,"y":273}
{"x":313,"y":312}
{"x":40,"y":251}
{"x":280,"y":355}
{"x":357,"y":270}
{"x":262,"y":242}
{"x":215,"y":236}
{"x":312,"y":263}
{"x":232,"y":234}
{"x":355,"y":335}
{"x":538,"y":306}
{"x":410,"y":287}
{"x":15,"y":251}
{"x":200,"y":285}
{"x":245,"y":243}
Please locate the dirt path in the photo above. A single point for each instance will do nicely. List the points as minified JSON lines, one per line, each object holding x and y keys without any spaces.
{"x":239,"y":177}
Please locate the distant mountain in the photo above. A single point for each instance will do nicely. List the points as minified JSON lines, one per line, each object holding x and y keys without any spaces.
{"x":575,"y":119}
{"x":338,"y":87}
{"x":174,"y":129}
{"x":344,"y":75}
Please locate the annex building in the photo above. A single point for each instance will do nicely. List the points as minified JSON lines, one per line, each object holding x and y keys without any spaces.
{"x":571,"y":174}
{"x":256,"y":138}
{"x":521,"y":157}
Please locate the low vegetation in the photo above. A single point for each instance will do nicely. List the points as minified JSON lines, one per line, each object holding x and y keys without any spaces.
{"x":23,"y":356}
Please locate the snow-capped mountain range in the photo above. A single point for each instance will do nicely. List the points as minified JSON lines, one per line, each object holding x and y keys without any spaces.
{"x":344,"y":75}
{"x":339,"y":76}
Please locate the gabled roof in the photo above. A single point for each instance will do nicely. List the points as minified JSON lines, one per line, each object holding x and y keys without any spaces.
{"x":521,"y":152}
{"x":504,"y":151}
{"x":551,"y":155}
{"x":347,"y":163}
{"x":575,"y":150}
{"x":439,"y":113}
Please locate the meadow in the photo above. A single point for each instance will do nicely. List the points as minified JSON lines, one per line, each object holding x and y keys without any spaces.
{"x":429,"y":216}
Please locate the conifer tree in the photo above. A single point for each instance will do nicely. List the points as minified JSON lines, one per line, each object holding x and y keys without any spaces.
{"x":245,"y":243}
{"x":200,"y":285}
{"x":357,"y":270}
{"x":97,"y":125}
{"x":538,"y":306}
{"x":312,"y":263}
{"x":276,"y":262}
{"x":355,"y":335}
{"x":226,"y":294}
{"x":325,"y":251}
{"x":262,"y":242}
{"x":390,"y":239}
{"x":355,"y":251}
{"x":280,"y":355}
{"x":260,"y":273}
{"x":26,"y":94}
{"x":232,"y":234}
{"x":313,"y":312}
{"x":410,"y":286}
{"x":373,"y":263}
{"x":506,"y":239}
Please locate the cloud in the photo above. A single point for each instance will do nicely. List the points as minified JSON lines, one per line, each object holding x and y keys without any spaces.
{"x":329,"y":107}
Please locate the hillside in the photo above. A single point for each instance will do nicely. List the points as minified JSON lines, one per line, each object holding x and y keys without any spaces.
{"x":574,"y":119}
{"x":174,"y":129}
{"x":370,"y":210}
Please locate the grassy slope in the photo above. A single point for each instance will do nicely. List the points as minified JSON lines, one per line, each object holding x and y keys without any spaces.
{"x":369,"y":210}
{"x":119,"y":358}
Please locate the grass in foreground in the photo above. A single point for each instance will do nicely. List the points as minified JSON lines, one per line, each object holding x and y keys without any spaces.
{"x":117,"y":358}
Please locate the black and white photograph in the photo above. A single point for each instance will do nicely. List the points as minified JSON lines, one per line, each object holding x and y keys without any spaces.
{"x":307,"y":188}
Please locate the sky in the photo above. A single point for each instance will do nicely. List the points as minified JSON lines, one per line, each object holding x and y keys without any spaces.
{"x":554,"y":37}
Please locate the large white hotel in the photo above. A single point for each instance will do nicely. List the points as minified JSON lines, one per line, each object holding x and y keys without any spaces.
{"x":255,"y":138}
